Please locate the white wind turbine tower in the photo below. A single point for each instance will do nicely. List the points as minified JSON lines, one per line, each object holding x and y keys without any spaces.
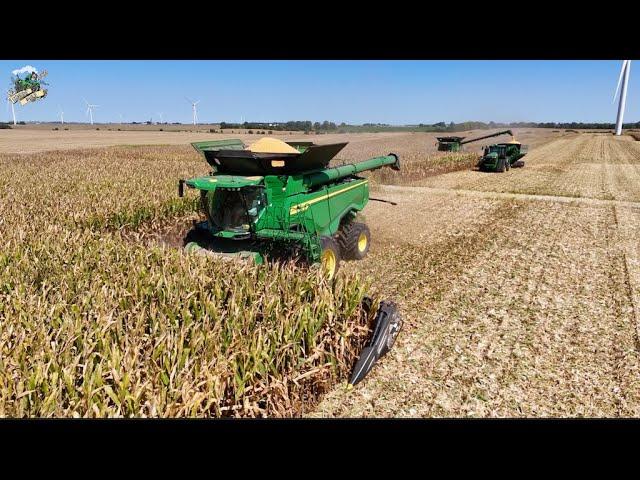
{"x":13,"y":111}
{"x":160,"y":115}
{"x":61,"y":113}
{"x":90,"y":108}
{"x":624,"y":79}
{"x":195,"y":111}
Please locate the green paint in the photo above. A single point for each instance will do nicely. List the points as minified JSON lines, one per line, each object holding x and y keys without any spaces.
{"x":500,"y":156}
{"x":298,"y":208}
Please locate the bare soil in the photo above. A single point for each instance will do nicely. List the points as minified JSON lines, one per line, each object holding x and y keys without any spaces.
{"x":37,"y":138}
{"x":517,"y":304}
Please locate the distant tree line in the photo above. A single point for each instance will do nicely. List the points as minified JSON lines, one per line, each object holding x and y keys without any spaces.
{"x":326,"y":126}
{"x":296,"y":125}
{"x":465,"y":126}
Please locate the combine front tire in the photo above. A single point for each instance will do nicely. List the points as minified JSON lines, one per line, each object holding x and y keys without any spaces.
{"x":329,"y":256}
{"x":354,"y":239}
{"x":501,"y":165}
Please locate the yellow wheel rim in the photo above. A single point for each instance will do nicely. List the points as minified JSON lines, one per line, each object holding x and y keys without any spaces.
{"x":362,"y":242}
{"x":329,"y":263}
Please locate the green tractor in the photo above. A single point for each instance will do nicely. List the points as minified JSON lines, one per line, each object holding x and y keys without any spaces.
{"x":502,"y":156}
{"x":284,"y":197}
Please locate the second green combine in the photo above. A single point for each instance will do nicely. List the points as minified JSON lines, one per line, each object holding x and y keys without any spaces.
{"x":497,"y":157}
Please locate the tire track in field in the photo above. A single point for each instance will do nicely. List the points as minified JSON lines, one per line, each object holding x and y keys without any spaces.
{"x":511,"y":196}
{"x":428,"y":273}
{"x":518,"y":325}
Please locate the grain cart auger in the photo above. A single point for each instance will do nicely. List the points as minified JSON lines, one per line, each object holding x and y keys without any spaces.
{"x":274,"y":196}
{"x":454,"y":144}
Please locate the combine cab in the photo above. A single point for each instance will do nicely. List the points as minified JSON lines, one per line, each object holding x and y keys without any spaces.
{"x":28,"y":88}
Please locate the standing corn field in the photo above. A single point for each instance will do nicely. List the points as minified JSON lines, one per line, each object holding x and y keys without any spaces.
{"x":95,"y":325}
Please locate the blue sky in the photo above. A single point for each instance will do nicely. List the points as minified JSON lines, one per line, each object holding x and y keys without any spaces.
{"x":395,"y":92}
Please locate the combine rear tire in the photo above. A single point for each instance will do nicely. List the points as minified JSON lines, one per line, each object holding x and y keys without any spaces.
{"x":329,"y":256}
{"x":354,"y":239}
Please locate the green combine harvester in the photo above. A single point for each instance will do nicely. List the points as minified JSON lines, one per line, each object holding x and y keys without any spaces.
{"x":262,"y":200}
{"x":274,"y":197}
{"x":454,"y":144}
{"x":498,"y":157}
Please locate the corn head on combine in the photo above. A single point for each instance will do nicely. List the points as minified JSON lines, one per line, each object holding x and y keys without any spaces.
{"x":274,"y":197}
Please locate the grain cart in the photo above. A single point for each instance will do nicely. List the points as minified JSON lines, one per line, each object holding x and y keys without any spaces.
{"x":284,"y":196}
{"x":454,"y":144}
{"x":502,"y":156}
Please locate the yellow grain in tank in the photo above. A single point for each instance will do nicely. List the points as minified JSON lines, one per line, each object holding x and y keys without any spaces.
{"x":271,"y":145}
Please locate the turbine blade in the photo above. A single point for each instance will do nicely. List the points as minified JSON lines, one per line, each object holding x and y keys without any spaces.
{"x":624,"y":64}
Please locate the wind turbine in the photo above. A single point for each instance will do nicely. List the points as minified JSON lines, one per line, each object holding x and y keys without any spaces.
{"x":160,"y":115}
{"x":195,"y":111}
{"x":624,"y":79}
{"x":13,"y":111}
{"x":61,"y":115}
{"x":90,"y":108}
{"x":121,"y":119}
